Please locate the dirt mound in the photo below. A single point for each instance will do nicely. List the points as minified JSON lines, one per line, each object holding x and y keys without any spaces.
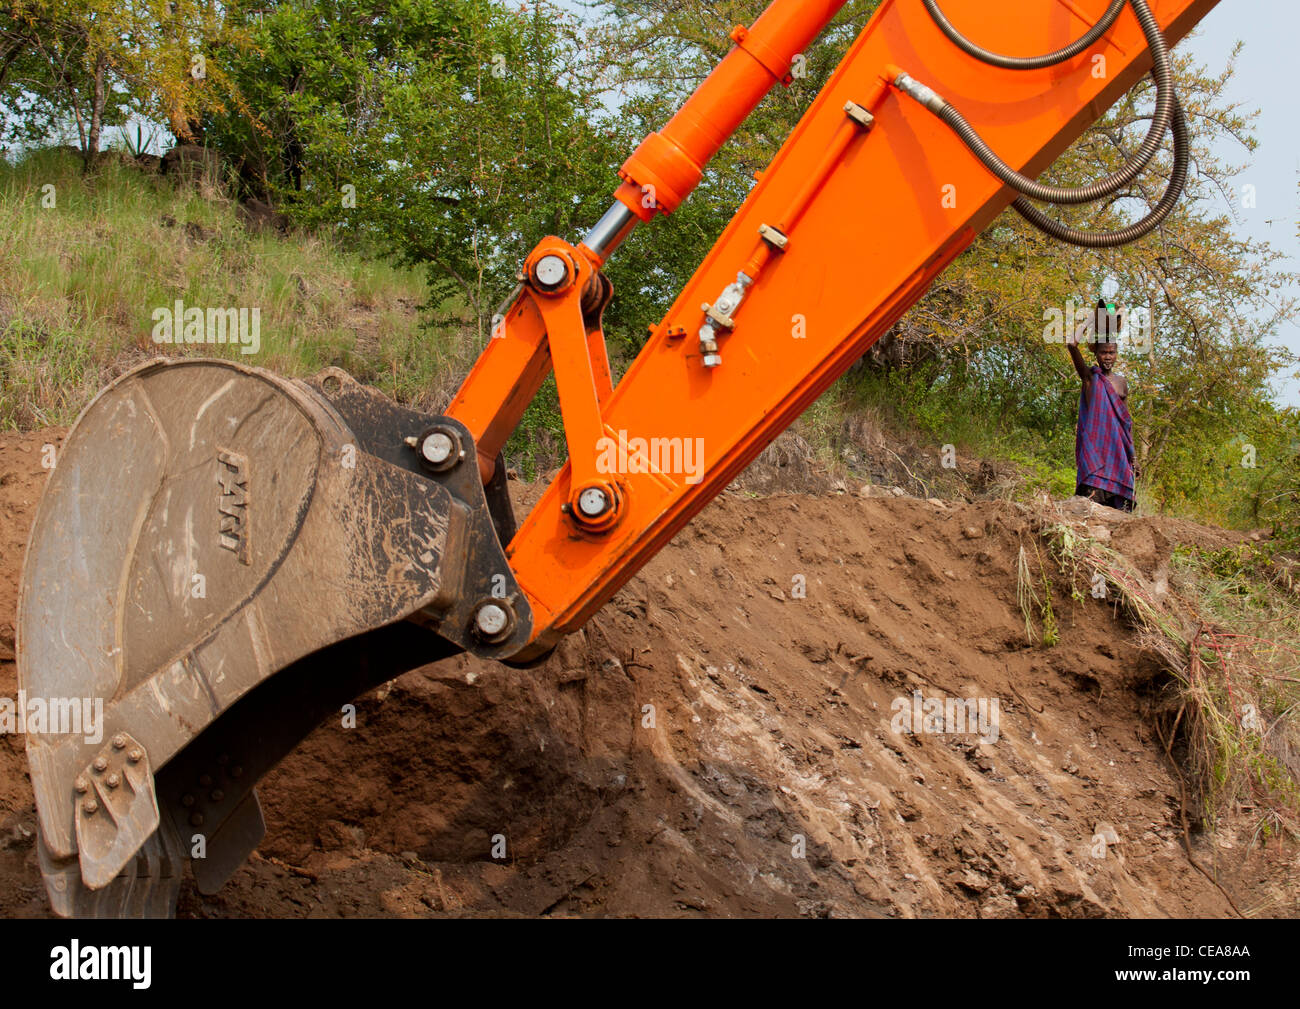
{"x":723,"y":739}
{"x":192,"y":165}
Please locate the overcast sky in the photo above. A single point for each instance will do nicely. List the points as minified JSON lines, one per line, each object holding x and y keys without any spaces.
{"x":1266,"y":79}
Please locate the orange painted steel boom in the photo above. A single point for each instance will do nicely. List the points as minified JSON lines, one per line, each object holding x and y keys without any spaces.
{"x":869,"y":199}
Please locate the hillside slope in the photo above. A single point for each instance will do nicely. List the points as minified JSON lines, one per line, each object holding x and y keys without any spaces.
{"x":770,"y":780}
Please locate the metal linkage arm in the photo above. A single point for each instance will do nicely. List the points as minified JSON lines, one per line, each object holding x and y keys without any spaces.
{"x":868,"y":200}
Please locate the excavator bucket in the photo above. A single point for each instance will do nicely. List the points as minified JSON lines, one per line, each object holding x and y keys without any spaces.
{"x":222,"y":558}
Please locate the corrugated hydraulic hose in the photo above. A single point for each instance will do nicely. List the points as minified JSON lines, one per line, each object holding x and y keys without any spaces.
{"x":1168,"y":113}
{"x":1136,"y":230}
{"x":1025,"y":62}
{"x":1055,"y":194}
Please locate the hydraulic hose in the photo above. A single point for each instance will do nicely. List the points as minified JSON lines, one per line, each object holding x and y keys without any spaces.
{"x":1025,"y":62}
{"x":1136,"y":230}
{"x":1168,"y":113}
{"x":1055,"y":194}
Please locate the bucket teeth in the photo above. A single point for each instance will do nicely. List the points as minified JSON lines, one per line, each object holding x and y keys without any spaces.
{"x":116,"y":809}
{"x":147,"y":887}
{"x":222,"y":558}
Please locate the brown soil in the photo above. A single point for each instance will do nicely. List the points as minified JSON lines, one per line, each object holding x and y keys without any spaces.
{"x":771,"y":723}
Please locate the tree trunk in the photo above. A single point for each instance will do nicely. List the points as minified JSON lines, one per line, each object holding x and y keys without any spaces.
{"x":1144,"y":440}
{"x":9,"y":52}
{"x":97,"y":111}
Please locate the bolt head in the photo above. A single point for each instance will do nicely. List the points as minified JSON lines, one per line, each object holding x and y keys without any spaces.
{"x":491,"y":619}
{"x":712,"y":360}
{"x":90,"y":806}
{"x":187,"y":800}
{"x":217,"y":795}
{"x":135,"y":756}
{"x":81,"y":785}
{"x":101,"y":764}
{"x":119,"y":741}
{"x":197,"y":819}
{"x":437,"y":448}
{"x":205,"y":780}
{"x":550,"y":271}
{"x":113,"y":780}
{"x":593,"y":502}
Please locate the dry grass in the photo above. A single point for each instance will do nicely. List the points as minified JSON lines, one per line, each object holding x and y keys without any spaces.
{"x":80,"y":280}
{"x":1230,"y":640}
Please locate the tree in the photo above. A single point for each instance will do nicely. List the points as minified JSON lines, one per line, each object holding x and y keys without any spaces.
{"x":94,"y":63}
{"x":451,"y":133}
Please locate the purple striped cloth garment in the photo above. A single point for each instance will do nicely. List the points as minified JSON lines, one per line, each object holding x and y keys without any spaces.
{"x":1103,"y":441}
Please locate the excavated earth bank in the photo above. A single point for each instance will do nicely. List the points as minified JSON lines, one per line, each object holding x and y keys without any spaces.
{"x":718,"y":741}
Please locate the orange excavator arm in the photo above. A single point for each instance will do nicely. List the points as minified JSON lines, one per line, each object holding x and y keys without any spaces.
{"x":871,"y":197}
{"x":224,"y":556}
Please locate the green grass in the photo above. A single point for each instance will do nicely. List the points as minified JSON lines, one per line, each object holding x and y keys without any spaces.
{"x":917,"y":417}
{"x":79,"y":282}
{"x":979,"y":425}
